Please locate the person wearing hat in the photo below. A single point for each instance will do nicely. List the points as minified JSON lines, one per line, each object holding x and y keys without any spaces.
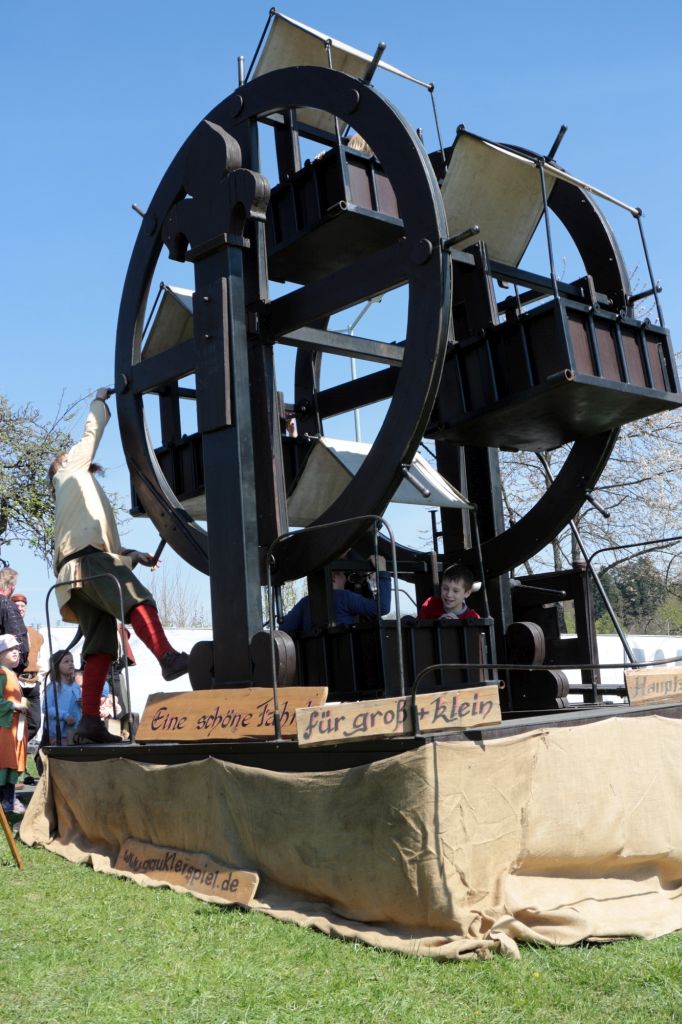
{"x":29,"y":679}
{"x":87,"y":544}
{"x":10,"y":619}
{"x":12,"y":724}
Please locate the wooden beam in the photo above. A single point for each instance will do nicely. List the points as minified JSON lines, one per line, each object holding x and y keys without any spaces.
{"x":10,"y":837}
{"x":334,"y":343}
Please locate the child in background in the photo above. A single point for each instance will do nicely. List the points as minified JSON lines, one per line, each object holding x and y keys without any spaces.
{"x":13,"y":735}
{"x":456,"y":585}
{"x":62,"y":703}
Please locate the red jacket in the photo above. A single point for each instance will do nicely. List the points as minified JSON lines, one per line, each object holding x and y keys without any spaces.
{"x":433,"y":609}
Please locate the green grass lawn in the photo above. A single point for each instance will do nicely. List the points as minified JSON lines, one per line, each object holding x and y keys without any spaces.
{"x":76,"y":946}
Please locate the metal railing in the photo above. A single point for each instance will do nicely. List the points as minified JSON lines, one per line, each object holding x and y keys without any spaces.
{"x":70,"y":583}
{"x":513,"y":667}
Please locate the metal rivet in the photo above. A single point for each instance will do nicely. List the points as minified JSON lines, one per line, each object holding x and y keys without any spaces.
{"x":421,"y":251}
{"x":149,"y":224}
{"x":349,"y":101}
{"x":234,"y":105}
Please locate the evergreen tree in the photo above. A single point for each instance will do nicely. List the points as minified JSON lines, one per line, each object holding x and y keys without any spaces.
{"x":636,"y":590}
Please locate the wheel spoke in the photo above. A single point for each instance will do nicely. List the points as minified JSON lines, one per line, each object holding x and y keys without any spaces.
{"x":407,"y":368}
{"x":168,"y":366}
{"x":362,"y":280}
{"x":374,"y":387}
{"x":333,"y":343}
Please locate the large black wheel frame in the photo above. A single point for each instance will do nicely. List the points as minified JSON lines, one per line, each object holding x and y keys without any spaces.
{"x":587,"y":457}
{"x":417,"y":261}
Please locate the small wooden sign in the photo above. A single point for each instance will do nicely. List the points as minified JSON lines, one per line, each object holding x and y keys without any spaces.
{"x":654,"y":685}
{"x":392,"y":716}
{"x":194,"y":872}
{"x":227,"y":715}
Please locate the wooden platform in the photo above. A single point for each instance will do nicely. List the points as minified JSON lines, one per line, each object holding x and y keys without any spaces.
{"x":287,"y":756}
{"x":548,"y":830}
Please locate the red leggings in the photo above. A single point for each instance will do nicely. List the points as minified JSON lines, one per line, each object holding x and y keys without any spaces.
{"x":145,"y":621}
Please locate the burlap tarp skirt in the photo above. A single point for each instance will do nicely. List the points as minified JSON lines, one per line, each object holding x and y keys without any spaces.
{"x":454,"y":849}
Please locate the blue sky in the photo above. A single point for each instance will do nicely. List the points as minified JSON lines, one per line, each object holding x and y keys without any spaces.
{"x":98,"y":98}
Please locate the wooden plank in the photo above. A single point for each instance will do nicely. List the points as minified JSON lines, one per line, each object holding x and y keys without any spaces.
{"x":317,"y":340}
{"x":392,"y":716}
{"x":224,"y":715}
{"x":194,"y":872}
{"x":654,"y":685}
{"x":10,"y":838}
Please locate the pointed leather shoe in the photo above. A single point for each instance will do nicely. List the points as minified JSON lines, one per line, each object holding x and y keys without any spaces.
{"x":91,"y":729}
{"x":174,"y":664}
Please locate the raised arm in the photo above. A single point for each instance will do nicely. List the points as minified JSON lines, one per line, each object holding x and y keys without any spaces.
{"x":83,"y":452}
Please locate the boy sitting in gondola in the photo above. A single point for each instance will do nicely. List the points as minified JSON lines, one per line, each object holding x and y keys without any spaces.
{"x":456,"y":584}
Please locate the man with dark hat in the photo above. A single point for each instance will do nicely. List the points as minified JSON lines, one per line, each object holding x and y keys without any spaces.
{"x":10,"y":619}
{"x":29,"y":679}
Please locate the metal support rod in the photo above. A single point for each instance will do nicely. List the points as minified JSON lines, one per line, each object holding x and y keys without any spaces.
{"x":330,"y":63}
{"x":597,"y":506}
{"x":460,"y":237}
{"x":654,"y":283}
{"x":638,"y":296}
{"x":417,"y":484}
{"x":277,"y":720}
{"x":376,"y":570}
{"x":271,"y":15}
{"x":557,"y":142}
{"x":597,"y":582}
{"x":279,"y":609}
{"x":550,"y":247}
{"x":432,"y":91}
{"x":151,"y":312}
{"x":353,"y":367}
{"x":479,"y":555}
{"x":356,"y":411}
{"x":409,"y":597}
{"x":369,"y":74}
{"x":378,"y":54}
{"x":435,"y":532}
{"x":240,"y":71}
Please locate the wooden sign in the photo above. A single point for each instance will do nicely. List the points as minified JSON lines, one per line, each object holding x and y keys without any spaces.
{"x":238,"y":714}
{"x":654,"y":685}
{"x":392,"y":716}
{"x":194,"y":872}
